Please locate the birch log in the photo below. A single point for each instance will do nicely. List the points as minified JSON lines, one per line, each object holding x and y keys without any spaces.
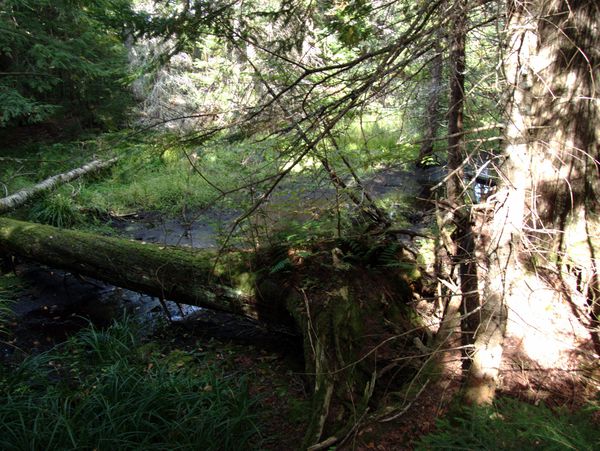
{"x":20,"y":197}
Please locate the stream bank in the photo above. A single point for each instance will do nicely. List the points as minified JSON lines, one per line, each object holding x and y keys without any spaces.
{"x":54,"y":304}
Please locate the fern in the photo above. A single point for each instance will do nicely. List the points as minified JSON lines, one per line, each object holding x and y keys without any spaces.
{"x":389,"y":255}
{"x":280,"y":266}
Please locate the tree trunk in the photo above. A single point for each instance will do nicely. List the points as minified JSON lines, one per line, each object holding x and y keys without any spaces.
{"x":432,"y":119}
{"x":546,"y":217}
{"x":501,"y":236}
{"x":463,"y":236}
{"x":565,"y":149}
{"x":21,"y":197}
{"x":456,"y":139}
{"x":354,"y":321}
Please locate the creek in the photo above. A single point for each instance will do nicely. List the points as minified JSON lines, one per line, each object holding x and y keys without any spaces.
{"x":54,"y":304}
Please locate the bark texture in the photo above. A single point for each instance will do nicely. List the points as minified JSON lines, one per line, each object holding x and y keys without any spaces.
{"x":463,"y":236}
{"x":545,"y":223}
{"x":432,"y":118}
{"x":21,"y":197}
{"x":501,"y":236}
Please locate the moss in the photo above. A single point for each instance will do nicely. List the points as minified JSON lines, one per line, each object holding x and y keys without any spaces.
{"x":245,"y":283}
{"x":163,"y":271}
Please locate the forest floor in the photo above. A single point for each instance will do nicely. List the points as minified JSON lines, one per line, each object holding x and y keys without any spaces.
{"x":53,"y":305}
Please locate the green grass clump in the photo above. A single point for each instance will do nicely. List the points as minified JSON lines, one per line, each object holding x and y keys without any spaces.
{"x":514,"y":425}
{"x":376,"y":140}
{"x":150,"y":178}
{"x":98,"y":392}
{"x":58,"y":210}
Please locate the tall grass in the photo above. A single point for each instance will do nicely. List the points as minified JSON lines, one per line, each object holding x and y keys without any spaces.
{"x":56,"y":209}
{"x":98,"y":392}
{"x":377,"y":139}
{"x":9,"y":290}
{"x":514,"y":425}
{"x":150,"y":178}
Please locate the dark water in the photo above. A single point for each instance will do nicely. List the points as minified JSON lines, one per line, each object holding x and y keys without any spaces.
{"x":56,"y":304}
{"x":200,"y":231}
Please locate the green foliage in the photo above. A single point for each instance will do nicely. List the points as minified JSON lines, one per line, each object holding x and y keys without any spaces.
{"x":514,"y":425}
{"x":350,"y":21}
{"x":10,"y":286}
{"x":97,"y":392}
{"x":64,"y":55}
{"x":373,"y":139}
{"x":280,"y":265}
{"x":58,"y":210}
{"x":150,"y":178}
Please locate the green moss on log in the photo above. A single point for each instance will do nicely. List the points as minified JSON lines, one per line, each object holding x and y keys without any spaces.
{"x":168,"y":272}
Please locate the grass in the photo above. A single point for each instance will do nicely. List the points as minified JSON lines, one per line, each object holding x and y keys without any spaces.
{"x":512,"y":425}
{"x":157,"y":176}
{"x":153,"y":174}
{"x":104,"y":390}
{"x":10,"y":287}
{"x":376,"y":140}
{"x":57,"y":209}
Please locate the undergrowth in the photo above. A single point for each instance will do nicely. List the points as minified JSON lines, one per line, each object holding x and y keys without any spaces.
{"x":154,"y":173}
{"x":104,"y":390}
{"x":514,"y":425}
{"x":56,"y":209}
{"x":10,"y":287}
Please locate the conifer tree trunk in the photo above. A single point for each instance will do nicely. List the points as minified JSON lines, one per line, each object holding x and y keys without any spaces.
{"x":463,"y":236}
{"x":546,"y":206}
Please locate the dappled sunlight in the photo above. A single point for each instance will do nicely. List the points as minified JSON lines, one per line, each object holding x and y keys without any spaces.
{"x":544,"y":325}
{"x":402,"y":197}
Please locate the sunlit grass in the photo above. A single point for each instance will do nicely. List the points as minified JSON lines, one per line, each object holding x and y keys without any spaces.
{"x":151,"y":177}
{"x":375,"y":140}
{"x":154,"y":174}
{"x":56,"y":209}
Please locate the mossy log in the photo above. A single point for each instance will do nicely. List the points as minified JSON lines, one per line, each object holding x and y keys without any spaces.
{"x":352,"y":311}
{"x":180,"y":274}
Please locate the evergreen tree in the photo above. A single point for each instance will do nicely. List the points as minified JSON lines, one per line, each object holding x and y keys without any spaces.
{"x":62,"y":56}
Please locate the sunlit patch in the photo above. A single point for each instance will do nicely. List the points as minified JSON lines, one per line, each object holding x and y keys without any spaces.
{"x":544,"y":325}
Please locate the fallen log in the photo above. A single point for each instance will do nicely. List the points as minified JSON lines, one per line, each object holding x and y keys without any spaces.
{"x":180,"y":274}
{"x":21,"y":197}
{"x":351,"y":306}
